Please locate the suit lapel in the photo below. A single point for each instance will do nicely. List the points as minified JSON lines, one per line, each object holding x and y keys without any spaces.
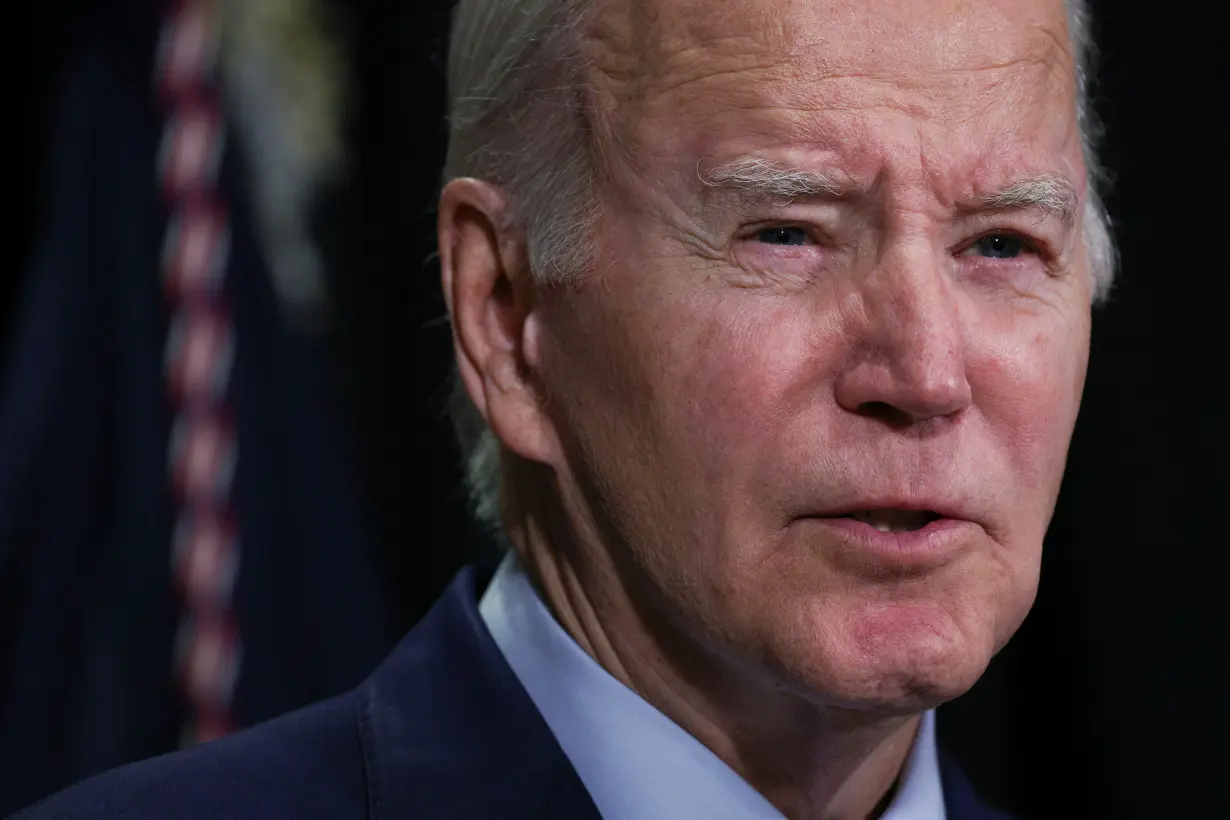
{"x":961,"y":802}
{"x":448,"y":732}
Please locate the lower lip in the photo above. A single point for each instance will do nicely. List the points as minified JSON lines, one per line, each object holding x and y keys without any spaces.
{"x":935,"y":544}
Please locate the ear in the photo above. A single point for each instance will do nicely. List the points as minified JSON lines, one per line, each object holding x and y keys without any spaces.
{"x":484,"y":272}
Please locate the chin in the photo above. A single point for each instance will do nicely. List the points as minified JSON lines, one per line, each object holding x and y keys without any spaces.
{"x":906,"y":684}
{"x":894,"y":658}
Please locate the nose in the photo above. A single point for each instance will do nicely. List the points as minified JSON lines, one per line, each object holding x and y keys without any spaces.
{"x":909,"y":362}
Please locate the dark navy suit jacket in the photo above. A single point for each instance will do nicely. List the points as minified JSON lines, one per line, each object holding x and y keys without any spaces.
{"x":442,"y":729}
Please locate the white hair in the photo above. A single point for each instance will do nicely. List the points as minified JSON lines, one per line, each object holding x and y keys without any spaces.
{"x":756,"y":177}
{"x":517,"y":118}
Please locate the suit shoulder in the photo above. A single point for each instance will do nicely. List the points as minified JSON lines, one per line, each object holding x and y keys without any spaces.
{"x":307,"y":764}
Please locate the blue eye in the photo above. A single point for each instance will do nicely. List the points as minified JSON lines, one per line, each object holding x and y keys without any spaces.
{"x":1000,"y":246}
{"x":782,"y":236}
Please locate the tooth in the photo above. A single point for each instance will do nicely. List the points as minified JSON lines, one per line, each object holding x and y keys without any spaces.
{"x":891,"y":520}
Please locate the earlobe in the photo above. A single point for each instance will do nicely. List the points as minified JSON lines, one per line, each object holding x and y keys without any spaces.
{"x":491,"y":302}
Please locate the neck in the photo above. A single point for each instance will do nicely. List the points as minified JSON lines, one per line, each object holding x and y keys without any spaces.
{"x":810,"y":759}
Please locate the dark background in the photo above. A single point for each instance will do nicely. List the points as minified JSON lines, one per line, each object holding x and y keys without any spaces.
{"x":1112,"y":701}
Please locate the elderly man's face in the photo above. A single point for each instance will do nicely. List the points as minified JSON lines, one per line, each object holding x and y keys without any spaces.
{"x":752,"y":386}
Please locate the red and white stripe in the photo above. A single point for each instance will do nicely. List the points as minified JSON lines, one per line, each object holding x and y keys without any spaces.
{"x":198,"y":360}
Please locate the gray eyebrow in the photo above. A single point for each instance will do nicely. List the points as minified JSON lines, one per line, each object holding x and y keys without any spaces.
{"x":1050,"y":193}
{"x":757,"y":177}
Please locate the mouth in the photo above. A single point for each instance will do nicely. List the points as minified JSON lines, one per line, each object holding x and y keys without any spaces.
{"x":894,"y":520}
{"x":897,"y":539}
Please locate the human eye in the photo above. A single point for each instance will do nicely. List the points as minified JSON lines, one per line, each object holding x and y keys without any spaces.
{"x":1000,"y":245}
{"x":780,"y":249}
{"x":783,"y":235}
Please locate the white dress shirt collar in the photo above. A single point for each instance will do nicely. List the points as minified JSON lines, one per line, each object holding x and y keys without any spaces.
{"x":635,"y":762}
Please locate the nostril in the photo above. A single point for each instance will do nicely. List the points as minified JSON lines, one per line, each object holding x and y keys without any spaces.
{"x":887,"y":413}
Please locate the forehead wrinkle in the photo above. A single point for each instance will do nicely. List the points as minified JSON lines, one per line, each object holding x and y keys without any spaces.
{"x":647,"y":48}
{"x":677,"y":82}
{"x":803,"y":107}
{"x":816,"y":57}
{"x":634,"y":43}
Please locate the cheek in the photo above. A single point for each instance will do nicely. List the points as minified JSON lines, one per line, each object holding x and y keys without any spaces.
{"x":1027,"y":386}
{"x":723,"y":386}
{"x":683,"y":401}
